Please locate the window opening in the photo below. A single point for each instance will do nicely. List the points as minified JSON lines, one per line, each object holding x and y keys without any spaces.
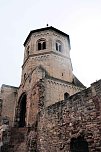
{"x":58,"y":46}
{"x":66,"y":96}
{"x":41,"y":44}
{"x":27,"y":52}
{"x":44,"y":45}
{"x":79,"y":145}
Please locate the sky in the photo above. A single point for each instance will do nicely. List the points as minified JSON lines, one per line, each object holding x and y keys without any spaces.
{"x":81,"y":19}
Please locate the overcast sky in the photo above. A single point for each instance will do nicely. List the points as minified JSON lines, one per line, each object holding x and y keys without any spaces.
{"x":81,"y":19}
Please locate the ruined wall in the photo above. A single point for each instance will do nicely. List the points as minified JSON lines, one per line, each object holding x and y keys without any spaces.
{"x":9,"y":98}
{"x":65,"y":121}
{"x":57,"y":126}
{"x":31,"y":87}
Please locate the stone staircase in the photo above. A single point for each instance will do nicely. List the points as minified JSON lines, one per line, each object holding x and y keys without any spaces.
{"x":18,"y":140}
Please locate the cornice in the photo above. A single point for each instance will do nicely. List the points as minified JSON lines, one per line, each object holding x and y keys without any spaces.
{"x":44,"y":53}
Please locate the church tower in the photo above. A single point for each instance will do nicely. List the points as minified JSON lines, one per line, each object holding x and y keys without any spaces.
{"x":47,"y":75}
{"x":50,"y":49}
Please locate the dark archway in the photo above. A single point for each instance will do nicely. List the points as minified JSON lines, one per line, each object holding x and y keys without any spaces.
{"x":79,"y":145}
{"x":22,"y":110}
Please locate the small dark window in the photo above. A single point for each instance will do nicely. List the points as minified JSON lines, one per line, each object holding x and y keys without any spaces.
{"x":57,"y":46}
{"x":44,"y":45}
{"x":66,"y":96}
{"x":78,"y":145}
{"x":41,"y":44}
{"x":27,"y":52}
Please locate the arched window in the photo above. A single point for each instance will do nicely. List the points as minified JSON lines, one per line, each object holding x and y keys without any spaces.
{"x":79,"y":145}
{"x":58,"y":46}
{"x":41,"y":44}
{"x":66,"y":96}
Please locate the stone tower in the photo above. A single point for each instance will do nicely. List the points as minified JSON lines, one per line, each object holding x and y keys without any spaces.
{"x":51,"y":110}
{"x":50,"y":49}
{"x":46,"y":73}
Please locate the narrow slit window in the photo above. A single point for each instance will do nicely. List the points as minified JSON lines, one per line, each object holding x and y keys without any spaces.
{"x":57,"y":46}
{"x":39,"y":46}
{"x":44,"y":45}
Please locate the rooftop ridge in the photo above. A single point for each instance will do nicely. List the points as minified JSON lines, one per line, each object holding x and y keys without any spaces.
{"x":44,"y":29}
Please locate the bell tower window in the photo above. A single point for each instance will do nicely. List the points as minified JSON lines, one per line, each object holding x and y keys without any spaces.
{"x":41,"y":44}
{"x":58,"y":46}
{"x":44,"y":45}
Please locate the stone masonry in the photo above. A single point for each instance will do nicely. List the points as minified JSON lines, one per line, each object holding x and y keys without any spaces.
{"x":51,"y":110}
{"x":79,"y":115}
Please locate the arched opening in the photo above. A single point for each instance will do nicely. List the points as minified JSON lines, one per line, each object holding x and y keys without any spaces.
{"x":41,"y":44}
{"x":22,"y":110}
{"x":66,"y":96}
{"x":58,"y":46}
{"x":79,"y":145}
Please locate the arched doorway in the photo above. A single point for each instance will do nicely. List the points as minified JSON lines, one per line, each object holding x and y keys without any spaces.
{"x":79,"y":145}
{"x":22,"y":110}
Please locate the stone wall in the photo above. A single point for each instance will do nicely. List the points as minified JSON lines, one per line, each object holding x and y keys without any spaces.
{"x":9,"y":99}
{"x":55,"y":64}
{"x":31,"y":87}
{"x":78,"y":118}
{"x":55,"y":90}
{"x":60,"y":126}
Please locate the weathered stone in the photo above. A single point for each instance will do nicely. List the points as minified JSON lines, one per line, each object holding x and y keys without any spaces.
{"x":51,"y":111}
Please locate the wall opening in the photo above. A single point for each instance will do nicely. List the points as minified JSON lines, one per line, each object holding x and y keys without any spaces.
{"x":58,"y":46}
{"x":41,"y":44}
{"x":22,"y":110}
{"x":79,"y":145}
{"x":66,"y":96}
